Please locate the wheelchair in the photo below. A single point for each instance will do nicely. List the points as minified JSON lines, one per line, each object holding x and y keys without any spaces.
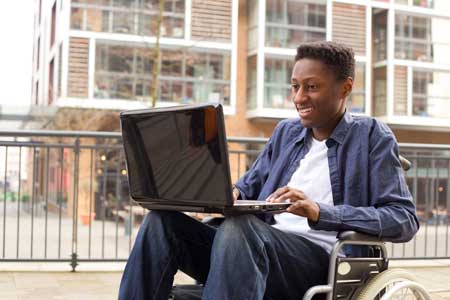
{"x":349,"y":278}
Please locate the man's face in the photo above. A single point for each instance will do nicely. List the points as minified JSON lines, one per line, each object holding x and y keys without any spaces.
{"x":317,"y":95}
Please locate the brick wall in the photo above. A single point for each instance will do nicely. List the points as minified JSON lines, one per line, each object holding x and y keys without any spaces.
{"x":78,"y":67}
{"x":211,"y":20}
{"x":400,"y":91}
{"x":349,"y":26}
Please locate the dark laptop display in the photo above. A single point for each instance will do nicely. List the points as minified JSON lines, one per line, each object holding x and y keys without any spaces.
{"x":178,"y":157}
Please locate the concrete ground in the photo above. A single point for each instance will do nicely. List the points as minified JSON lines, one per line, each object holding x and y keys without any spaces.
{"x":46,"y":281}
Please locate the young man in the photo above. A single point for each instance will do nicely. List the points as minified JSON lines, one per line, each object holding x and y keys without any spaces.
{"x":340,"y":172}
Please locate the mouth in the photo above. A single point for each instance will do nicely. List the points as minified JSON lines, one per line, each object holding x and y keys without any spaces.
{"x":304,"y":111}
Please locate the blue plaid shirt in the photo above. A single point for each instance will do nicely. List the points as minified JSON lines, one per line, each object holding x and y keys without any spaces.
{"x":369,"y":190}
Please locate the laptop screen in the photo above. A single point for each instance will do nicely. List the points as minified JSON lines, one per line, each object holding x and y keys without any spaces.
{"x":177,"y":154}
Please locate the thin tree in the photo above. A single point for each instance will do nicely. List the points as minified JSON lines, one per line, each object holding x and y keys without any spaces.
{"x":157,"y":54}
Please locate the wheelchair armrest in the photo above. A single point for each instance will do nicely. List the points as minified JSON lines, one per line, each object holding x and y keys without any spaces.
{"x":357,"y":236}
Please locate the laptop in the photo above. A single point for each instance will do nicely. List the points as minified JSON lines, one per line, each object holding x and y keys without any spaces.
{"x":177,"y":159}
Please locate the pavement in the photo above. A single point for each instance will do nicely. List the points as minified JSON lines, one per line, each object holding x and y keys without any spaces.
{"x":100,"y":281}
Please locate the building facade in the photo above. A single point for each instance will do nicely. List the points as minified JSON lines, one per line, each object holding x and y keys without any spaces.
{"x":100,"y":54}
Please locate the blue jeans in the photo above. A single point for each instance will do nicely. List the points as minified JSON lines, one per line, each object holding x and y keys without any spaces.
{"x":244,"y":258}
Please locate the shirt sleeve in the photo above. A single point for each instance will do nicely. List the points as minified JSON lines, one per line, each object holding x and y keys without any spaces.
{"x":391,"y":215}
{"x":251,"y":183}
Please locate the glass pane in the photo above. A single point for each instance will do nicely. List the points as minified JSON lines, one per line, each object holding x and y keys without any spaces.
{"x":123,"y":22}
{"x":175,"y":6}
{"x":144,"y":61}
{"x":95,"y":21}
{"x":195,"y":65}
{"x":289,"y":23}
{"x":422,"y":3}
{"x":101,"y":58}
{"x":278,"y":70}
{"x":219,"y":93}
{"x":277,"y":78}
{"x":356,"y":100}
{"x":171,"y":91}
{"x":379,"y":92}
{"x":120,"y":59}
{"x":125,"y":72}
{"x":188,"y":93}
{"x":380,"y":35}
{"x":125,"y":3}
{"x":148,"y":4}
{"x":76,"y":18}
{"x":277,"y":97}
{"x":216,"y":66}
{"x":431,"y":96}
{"x":121,"y":87}
{"x":291,"y":38}
{"x":252,"y":35}
{"x":172,"y":27}
{"x":171,"y":62}
{"x":146,"y":24}
{"x":101,"y":89}
{"x":143,"y":90}
{"x":251,"y":82}
{"x":422,"y":39}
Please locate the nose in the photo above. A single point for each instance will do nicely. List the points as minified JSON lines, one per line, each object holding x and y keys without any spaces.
{"x":299,"y":96}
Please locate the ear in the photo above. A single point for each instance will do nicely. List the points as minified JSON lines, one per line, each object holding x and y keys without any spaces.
{"x":346,"y":87}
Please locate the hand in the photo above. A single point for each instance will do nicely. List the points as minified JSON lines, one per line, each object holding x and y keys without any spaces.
{"x":301,"y":204}
{"x":236,"y":194}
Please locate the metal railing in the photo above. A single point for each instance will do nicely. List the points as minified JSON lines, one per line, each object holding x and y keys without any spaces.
{"x":64,"y":196}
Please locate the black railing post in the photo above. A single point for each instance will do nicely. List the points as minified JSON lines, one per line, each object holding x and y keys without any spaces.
{"x":76,"y":169}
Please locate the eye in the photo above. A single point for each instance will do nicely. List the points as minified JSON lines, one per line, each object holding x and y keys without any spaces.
{"x":312,"y":86}
{"x":295,"y":86}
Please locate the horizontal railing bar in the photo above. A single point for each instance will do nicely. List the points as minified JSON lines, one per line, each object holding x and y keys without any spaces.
{"x":69,"y":146}
{"x":117,"y":135}
{"x":60,"y":133}
{"x":63,"y":260}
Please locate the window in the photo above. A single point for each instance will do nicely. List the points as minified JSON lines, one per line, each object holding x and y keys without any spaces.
{"x":379,"y":34}
{"x":431,"y":96}
{"x":419,"y":3}
{"x":251,"y":82}
{"x":277,"y":79}
{"x":129,"y":16}
{"x":252,"y":12}
{"x":60,"y":56}
{"x":186,"y":76}
{"x":53,"y":25}
{"x":40,"y":10}
{"x":38,"y":53}
{"x":379,"y":92}
{"x":413,"y":38}
{"x":290,"y":22}
{"x":36,"y":95}
{"x":50,"y":81}
{"x":356,"y":100}
{"x":422,"y":38}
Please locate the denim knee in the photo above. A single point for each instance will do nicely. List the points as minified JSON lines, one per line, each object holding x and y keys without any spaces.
{"x":239,"y":229}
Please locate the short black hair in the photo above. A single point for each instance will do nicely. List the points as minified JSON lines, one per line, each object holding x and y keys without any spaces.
{"x":338,"y":57}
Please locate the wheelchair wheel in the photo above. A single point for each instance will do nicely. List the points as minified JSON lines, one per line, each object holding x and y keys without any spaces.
{"x":395,"y":284}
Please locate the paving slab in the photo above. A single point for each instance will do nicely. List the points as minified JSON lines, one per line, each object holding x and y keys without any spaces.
{"x":97,"y":285}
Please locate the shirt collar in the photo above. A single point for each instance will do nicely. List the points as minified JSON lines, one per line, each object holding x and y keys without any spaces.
{"x":342,"y":128}
{"x":338,"y":134}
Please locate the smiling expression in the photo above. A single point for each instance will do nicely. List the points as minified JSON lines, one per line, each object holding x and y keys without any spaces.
{"x":318,"y":96}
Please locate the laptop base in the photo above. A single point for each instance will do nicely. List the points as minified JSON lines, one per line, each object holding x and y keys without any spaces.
{"x":256,"y":208}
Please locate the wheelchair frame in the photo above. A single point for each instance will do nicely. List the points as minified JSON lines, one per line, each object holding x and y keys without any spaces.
{"x":342,"y":283}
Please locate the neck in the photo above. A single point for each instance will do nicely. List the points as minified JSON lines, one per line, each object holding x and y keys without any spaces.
{"x":324,"y":132}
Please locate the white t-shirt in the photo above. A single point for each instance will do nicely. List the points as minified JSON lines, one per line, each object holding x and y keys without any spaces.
{"x":313,"y":178}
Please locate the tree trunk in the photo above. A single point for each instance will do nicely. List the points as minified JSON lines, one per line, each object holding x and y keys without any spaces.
{"x":156,"y":64}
